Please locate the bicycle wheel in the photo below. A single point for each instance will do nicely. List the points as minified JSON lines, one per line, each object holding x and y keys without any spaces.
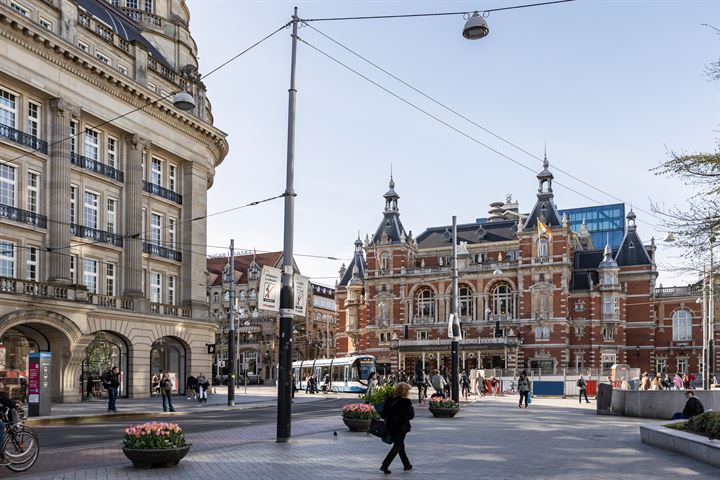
{"x":21,"y":448}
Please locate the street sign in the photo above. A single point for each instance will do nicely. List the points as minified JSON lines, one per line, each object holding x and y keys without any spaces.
{"x":270,"y":289}
{"x":454,"y":327}
{"x":301,"y":289}
{"x":211,"y":348}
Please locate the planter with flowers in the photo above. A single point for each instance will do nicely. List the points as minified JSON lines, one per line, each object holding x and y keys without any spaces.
{"x":155,"y":444}
{"x":357,"y":416}
{"x":377,"y":397}
{"x":443,"y":407}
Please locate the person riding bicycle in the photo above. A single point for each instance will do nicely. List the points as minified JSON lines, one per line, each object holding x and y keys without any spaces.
{"x":465,"y":382}
{"x":8,"y":403}
{"x":421,"y":382}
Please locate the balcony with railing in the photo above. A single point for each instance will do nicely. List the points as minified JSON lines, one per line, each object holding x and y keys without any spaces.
{"x":99,"y":236}
{"x":170,"y":310}
{"x":163,"y":192}
{"x":141,"y":16}
{"x":97,"y":167}
{"x":683,"y":291}
{"x":466,"y":343}
{"x":22,"y":216}
{"x":155,"y":250}
{"x":162,"y":70}
{"x":25,"y":139}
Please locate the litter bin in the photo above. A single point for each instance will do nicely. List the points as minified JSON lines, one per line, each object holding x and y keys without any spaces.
{"x":604,"y":398}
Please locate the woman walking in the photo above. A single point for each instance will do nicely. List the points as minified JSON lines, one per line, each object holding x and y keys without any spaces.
{"x":523,"y":388}
{"x":372,"y":384}
{"x":397,"y":412}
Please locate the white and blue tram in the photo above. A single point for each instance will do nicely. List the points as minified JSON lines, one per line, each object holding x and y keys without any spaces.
{"x":347,"y":374}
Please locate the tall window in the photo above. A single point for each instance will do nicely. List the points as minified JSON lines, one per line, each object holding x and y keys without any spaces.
{"x":608,"y":333}
{"x":542,"y":332}
{"x":73,"y":136}
{"x":608,"y":360}
{"x":33,"y":119}
{"x":73,"y":269}
{"x":155,"y":287}
{"x":661,"y":365}
{"x":8,"y":108}
{"x":90,"y":274}
{"x":131,"y":3}
{"x":425,"y":304}
{"x":543,"y":248}
{"x":110,"y":279}
{"x":31,"y":264}
{"x":155,"y":228}
{"x":7,"y":185}
{"x":385,"y":262}
{"x":682,"y":326}
{"x":33,"y":192}
{"x":682,"y":364}
{"x":149,"y":6}
{"x":172,"y":280}
{"x":73,"y":203}
{"x":465,"y":301}
{"x":91,"y":144}
{"x":111,"y":215}
{"x":143,"y":157}
{"x":112,"y":152}
{"x":608,"y":308}
{"x":90,"y":210}
{"x":172,"y":240}
{"x":502,"y":299}
{"x":7,"y":259}
{"x":172,"y":177}
{"x":156,"y":172}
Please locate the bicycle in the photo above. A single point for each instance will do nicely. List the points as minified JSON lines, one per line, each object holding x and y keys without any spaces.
{"x":20,"y":443}
{"x":466,"y":392}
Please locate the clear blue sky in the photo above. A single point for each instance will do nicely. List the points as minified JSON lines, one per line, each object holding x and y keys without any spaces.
{"x":611,"y":85}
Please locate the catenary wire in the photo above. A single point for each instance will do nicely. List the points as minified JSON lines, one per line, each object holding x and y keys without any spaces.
{"x":471,"y":121}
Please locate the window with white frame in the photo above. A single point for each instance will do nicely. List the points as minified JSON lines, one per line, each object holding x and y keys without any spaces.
{"x":661,"y":365}
{"x":542,"y":332}
{"x":425,"y":304}
{"x":172,"y":239}
{"x":73,"y":203}
{"x":385,"y":262}
{"x":123,"y":69}
{"x":152,"y":86}
{"x":7,"y":259}
{"x":90,"y":210}
{"x":579,"y":306}
{"x":7,"y":185}
{"x":19,"y":8}
{"x":74,"y":126}
{"x":608,"y":360}
{"x":421,"y":335}
{"x":502,"y":299}
{"x":8,"y":108}
{"x":33,"y":192}
{"x":33,"y":119}
{"x":143,"y":157}
{"x":149,"y":6}
{"x":90,"y":274}
{"x":465,"y":302}
{"x":110,"y":279}
{"x":131,"y":4}
{"x":156,"y":171}
{"x":155,"y":228}
{"x":45,"y":23}
{"x":682,"y":365}
{"x":543,"y":248}
{"x":112,"y":152}
{"x":102,"y":57}
{"x":172,"y":281}
{"x":83,"y":46}
{"x":172,"y":177}
{"x":608,"y":306}
{"x":682,"y":326}
{"x":73,"y":269}
{"x":32,"y":264}
{"x":616,"y":305}
{"x":111,"y":215}
{"x":608,"y":333}
{"x":92,"y":144}
{"x":155,"y":287}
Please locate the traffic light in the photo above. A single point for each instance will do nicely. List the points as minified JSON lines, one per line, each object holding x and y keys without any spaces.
{"x":211,"y":348}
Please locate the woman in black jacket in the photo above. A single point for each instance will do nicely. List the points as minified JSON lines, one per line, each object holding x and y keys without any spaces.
{"x":397,"y":412}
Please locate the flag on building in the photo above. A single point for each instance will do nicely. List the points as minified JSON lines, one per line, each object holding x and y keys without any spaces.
{"x":543,"y":229}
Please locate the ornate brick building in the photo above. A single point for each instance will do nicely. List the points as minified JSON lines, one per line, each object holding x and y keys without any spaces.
{"x":533,"y":293}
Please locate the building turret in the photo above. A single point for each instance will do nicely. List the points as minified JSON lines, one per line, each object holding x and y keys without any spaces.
{"x":390,"y":229}
{"x":545,"y":209}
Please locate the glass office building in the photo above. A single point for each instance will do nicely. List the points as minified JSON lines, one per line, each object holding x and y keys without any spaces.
{"x":606,"y":223}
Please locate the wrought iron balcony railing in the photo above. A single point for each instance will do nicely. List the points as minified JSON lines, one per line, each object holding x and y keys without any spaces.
{"x":23,"y":138}
{"x":160,"y":251}
{"x":97,"y":167}
{"x":162,"y":192}
{"x":23,"y":216}
{"x":100,"y":236}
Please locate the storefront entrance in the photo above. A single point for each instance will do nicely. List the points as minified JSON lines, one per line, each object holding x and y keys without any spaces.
{"x":107,"y":350}
{"x":15,"y":346}
{"x":168,"y":354}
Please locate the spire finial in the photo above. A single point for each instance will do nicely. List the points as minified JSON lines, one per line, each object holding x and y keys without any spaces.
{"x":392,"y":181}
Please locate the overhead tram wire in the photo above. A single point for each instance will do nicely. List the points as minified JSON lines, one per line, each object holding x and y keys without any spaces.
{"x":471,"y":121}
{"x":448,"y":125}
{"x":162,"y":97}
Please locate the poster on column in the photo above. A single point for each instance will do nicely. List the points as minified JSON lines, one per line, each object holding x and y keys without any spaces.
{"x":270,"y":289}
{"x":301,"y":292}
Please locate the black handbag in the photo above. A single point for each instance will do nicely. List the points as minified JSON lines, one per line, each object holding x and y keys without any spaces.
{"x":377,"y":428}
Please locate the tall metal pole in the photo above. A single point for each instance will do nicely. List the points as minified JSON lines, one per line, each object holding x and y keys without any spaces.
{"x":231,"y":325}
{"x":711,"y":320}
{"x":455,"y":343}
{"x":286,"y":291}
{"x":704,"y":331}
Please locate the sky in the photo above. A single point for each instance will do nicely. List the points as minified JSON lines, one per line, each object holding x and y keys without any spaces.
{"x":611,"y":87}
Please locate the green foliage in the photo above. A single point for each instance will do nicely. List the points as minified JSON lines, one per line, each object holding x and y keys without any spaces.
{"x":380,"y":394}
{"x":707,"y":423}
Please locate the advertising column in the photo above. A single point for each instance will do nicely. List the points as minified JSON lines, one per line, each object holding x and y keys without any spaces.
{"x":39,"y":394}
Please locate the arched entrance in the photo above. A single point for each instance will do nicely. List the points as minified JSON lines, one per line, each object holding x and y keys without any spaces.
{"x":107,"y":350}
{"x":170,"y":355}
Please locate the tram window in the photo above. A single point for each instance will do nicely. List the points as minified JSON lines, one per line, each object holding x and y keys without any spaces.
{"x":337,"y":374}
{"x":354,"y":373}
{"x":323,"y":371}
{"x":365,"y":368}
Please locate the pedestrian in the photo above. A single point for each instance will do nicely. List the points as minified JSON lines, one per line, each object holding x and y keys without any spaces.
{"x":111,"y":382}
{"x":464,"y":382}
{"x":645,"y":381}
{"x":397,"y":412}
{"x":582,"y":386}
{"x":155,"y":384}
{"x":686,"y":381}
{"x":481,"y":385}
{"x":494,"y":385}
{"x":692,"y":379}
{"x":307,"y":383}
{"x":678,"y":382}
{"x":293,"y":388}
{"x":421,"y":383}
{"x":202,"y":388}
{"x":371,"y":384}
{"x":524,"y":388}
{"x":191,"y":387}
{"x":166,"y":386}
{"x":439,"y":384}
{"x":693,"y":407}
{"x":656,"y":383}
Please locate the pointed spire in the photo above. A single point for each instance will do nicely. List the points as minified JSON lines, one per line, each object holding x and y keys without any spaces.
{"x":631,"y":220}
{"x":608,"y":260}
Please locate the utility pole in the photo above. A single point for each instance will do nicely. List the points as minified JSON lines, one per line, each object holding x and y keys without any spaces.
{"x":710,"y":364}
{"x":455,"y":324}
{"x":231,"y":325}
{"x":286,"y":291}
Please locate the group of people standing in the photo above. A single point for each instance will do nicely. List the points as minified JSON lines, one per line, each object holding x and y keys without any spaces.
{"x":673,"y":381}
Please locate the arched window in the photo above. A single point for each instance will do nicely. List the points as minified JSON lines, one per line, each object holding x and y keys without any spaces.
{"x":502,"y":299}
{"x":425,"y":304}
{"x":253,"y":294}
{"x":385,"y":263}
{"x":682,"y":326}
{"x":466,"y":310}
{"x":543,"y":248}
{"x":242,"y":295}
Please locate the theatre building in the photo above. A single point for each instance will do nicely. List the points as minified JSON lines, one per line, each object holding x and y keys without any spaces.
{"x":535,"y":291}
{"x":103,"y":189}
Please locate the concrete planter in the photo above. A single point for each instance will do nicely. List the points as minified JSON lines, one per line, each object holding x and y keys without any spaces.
{"x":357,"y":424}
{"x":166,"y":457}
{"x":444,"y":412}
{"x":660,"y":404}
{"x":684,"y":443}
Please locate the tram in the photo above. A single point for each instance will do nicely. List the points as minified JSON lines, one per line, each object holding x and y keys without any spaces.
{"x":347,"y":374}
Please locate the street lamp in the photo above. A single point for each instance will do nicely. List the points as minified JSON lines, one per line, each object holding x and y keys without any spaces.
{"x":476,"y":27}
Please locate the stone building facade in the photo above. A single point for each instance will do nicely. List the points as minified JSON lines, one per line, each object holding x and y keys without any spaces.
{"x":532,"y":294}
{"x":102,"y":183}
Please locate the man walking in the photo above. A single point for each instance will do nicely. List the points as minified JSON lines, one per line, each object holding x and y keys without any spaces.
{"x":524,"y":388}
{"x":421,"y":383}
{"x":166,"y":386}
{"x":111,"y":382}
{"x":582,"y":385}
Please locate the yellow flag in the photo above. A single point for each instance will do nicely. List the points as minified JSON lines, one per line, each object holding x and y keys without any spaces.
{"x":543,"y":229}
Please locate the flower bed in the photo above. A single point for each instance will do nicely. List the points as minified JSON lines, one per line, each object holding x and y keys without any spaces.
{"x":706,"y":424}
{"x":438,"y":401}
{"x":153,"y":436}
{"x":359,"y":411}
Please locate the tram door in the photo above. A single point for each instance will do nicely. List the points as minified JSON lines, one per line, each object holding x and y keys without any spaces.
{"x":347,"y":374}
